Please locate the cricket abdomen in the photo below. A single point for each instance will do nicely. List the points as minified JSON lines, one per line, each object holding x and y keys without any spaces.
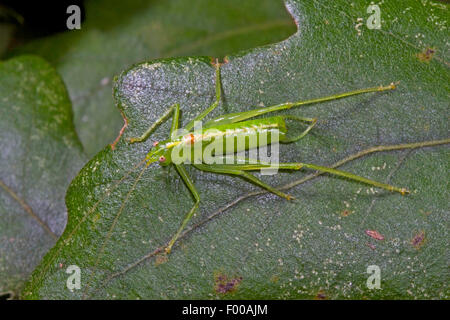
{"x":249,"y":134}
{"x":232,"y":138}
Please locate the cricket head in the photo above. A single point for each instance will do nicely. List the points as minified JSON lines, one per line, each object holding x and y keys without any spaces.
{"x":159,"y":153}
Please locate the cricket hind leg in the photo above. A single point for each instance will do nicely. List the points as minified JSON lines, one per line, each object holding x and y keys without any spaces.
{"x":250,"y":164}
{"x":299,"y":165}
{"x":355,"y":177}
{"x":239,"y":170}
{"x":241,"y":116}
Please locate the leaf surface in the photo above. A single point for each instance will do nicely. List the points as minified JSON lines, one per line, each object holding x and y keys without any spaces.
{"x":40,"y":154}
{"x":257,"y":247}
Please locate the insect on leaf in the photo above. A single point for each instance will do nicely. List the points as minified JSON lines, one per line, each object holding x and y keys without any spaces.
{"x":276,"y":248}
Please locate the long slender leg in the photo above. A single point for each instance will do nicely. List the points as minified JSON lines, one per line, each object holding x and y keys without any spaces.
{"x":175,"y":108}
{"x":187,"y":180}
{"x":240,"y":116}
{"x":248,"y":165}
{"x":175,"y":119}
{"x":190,"y":125}
{"x":238,"y":170}
{"x":355,"y":177}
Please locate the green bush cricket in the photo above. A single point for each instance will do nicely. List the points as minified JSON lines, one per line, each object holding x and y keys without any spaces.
{"x":238,"y":125}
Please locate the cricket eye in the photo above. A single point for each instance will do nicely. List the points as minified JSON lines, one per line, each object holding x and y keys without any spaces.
{"x":162,"y":159}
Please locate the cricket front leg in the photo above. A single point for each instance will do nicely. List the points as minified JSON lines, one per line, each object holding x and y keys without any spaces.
{"x":175,"y":109}
{"x":187,"y":180}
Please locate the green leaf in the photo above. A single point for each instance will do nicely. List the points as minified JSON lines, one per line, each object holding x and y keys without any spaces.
{"x":117,"y":34}
{"x":243,"y":245}
{"x":40,"y":154}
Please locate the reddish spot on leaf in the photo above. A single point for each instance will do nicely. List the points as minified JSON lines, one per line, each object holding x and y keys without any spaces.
{"x":374,"y":234}
{"x":223,"y":284}
{"x":426,"y":55}
{"x":321,"y":295}
{"x":418,"y":240}
{"x":160,"y":259}
{"x":345,"y":213}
